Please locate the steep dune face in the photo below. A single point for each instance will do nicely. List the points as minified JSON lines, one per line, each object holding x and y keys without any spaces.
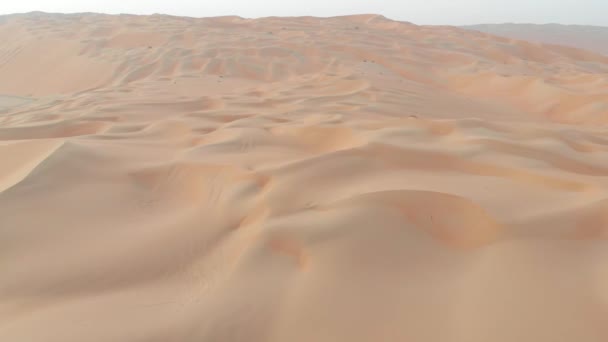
{"x":298,"y":179}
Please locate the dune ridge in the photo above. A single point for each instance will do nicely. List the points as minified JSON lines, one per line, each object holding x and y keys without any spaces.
{"x":298,"y":179}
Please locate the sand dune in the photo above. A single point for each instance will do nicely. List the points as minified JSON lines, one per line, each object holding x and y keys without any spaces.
{"x":592,"y":38}
{"x":298,"y":179}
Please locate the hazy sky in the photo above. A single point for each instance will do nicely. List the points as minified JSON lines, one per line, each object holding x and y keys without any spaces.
{"x":452,"y":12}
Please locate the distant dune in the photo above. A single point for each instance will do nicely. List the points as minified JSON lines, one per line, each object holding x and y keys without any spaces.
{"x":298,"y":179}
{"x":592,"y":38}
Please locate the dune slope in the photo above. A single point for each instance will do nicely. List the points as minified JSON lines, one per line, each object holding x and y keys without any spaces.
{"x":298,"y":179}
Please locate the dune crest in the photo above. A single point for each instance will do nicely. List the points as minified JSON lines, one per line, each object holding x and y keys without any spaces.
{"x":298,"y":179}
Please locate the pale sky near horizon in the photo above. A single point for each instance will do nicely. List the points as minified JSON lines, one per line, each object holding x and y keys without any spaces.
{"x":439,"y":12}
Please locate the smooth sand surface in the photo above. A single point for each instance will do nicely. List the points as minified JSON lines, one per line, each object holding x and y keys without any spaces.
{"x":299,"y":179}
{"x":7,"y":102}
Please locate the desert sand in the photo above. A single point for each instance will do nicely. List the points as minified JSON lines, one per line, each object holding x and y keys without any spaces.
{"x":298,"y":179}
{"x":592,"y":38}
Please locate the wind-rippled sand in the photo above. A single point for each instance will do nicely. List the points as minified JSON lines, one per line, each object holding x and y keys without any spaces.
{"x":298,"y":179}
